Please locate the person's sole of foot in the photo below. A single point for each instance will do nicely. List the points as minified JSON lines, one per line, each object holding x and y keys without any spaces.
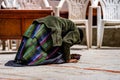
{"x":73,"y":61}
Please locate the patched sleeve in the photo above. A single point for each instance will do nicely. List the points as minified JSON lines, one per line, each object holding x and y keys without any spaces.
{"x":72,"y":37}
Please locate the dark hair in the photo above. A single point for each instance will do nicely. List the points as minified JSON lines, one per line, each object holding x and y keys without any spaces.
{"x":81,"y":34}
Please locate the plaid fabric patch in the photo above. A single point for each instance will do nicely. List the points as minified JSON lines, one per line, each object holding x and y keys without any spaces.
{"x":44,"y":38}
{"x":20,"y":52}
{"x":30,"y":30}
{"x":37,"y":48}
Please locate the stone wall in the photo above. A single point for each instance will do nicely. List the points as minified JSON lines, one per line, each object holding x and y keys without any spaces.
{"x":111,"y":37}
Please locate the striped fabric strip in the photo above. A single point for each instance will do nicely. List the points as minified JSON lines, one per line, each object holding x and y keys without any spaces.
{"x":53,"y":51}
{"x":38,"y":57}
{"x":30,"y":30}
{"x":29,"y":52}
{"x":35,"y":30}
{"x":21,"y":48}
{"x":46,"y":43}
{"x":44,"y":38}
{"x":41,"y":59}
{"x":41,"y":31}
{"x":38,"y":47}
{"x":35,"y":54}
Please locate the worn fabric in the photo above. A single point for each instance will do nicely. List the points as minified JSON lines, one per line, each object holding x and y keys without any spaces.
{"x":48,"y":42}
{"x":63,"y":30}
{"x":37,"y":48}
{"x":64,"y":33}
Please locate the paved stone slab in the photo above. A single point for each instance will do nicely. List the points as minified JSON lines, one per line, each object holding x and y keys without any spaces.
{"x":95,"y":64}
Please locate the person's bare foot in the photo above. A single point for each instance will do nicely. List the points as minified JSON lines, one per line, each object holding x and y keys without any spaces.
{"x":73,"y":61}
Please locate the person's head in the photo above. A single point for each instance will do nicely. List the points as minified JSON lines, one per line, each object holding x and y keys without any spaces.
{"x":81,"y":33}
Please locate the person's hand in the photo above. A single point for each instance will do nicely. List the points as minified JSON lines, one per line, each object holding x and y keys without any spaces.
{"x":75,"y":56}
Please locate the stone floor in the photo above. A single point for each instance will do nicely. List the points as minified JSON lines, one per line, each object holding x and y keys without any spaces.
{"x":95,"y":64}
